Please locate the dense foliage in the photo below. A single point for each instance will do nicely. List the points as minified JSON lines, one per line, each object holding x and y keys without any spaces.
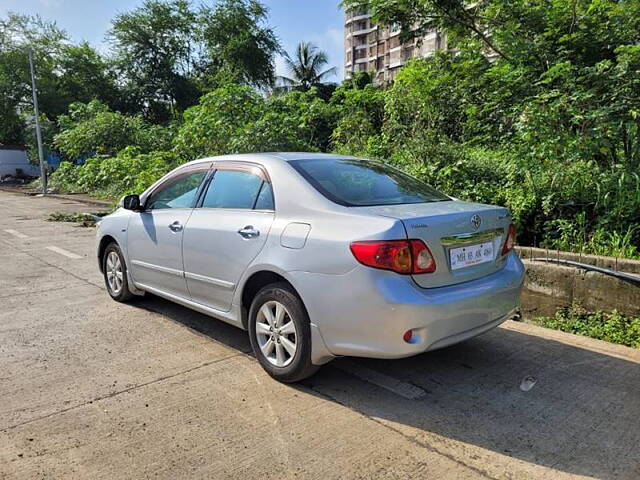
{"x":129,"y":171}
{"x":541,"y":115}
{"x":93,"y":129}
{"x":609,"y":326}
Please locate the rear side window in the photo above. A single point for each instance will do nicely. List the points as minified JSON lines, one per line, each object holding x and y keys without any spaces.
{"x":236,"y":189}
{"x":362,"y":183}
{"x":265,"y":198}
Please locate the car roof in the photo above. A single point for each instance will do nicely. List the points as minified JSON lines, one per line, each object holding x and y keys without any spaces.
{"x":282,"y":156}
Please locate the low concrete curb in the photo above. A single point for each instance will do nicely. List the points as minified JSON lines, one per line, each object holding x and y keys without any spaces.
{"x":72,"y":197}
{"x":82,"y":198}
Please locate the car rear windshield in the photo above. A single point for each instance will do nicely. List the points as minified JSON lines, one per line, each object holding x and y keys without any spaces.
{"x":363,"y":183}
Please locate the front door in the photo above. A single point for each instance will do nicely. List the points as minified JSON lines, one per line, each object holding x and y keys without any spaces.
{"x":155,"y":235}
{"x":226,"y":233}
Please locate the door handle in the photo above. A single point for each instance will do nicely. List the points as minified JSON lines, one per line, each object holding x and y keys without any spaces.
{"x":249,"y":232}
{"x":175,"y":227}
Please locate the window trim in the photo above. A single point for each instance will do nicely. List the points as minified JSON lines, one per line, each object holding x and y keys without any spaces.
{"x":250,"y":167}
{"x":237,"y":166}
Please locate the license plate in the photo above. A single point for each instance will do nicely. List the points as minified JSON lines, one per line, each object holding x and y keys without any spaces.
{"x":462,"y":257}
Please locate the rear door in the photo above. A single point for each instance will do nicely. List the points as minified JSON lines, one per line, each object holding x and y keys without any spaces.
{"x":226,"y":232}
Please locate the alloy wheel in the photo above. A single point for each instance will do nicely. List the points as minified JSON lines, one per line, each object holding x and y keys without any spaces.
{"x":114,"y":272}
{"x":276,"y":333}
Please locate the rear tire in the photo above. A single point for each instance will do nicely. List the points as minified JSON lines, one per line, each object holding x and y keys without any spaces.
{"x":280,"y":334}
{"x":114,"y":270}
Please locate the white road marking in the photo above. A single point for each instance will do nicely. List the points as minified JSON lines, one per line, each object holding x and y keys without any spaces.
{"x":406,"y":390}
{"x":16,"y":233}
{"x":64,"y":252}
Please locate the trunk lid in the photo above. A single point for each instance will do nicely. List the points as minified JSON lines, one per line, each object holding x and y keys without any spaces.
{"x":463,"y":249}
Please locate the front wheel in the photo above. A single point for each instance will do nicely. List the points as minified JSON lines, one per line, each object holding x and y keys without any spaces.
{"x":280,"y":333}
{"x":115,"y":274}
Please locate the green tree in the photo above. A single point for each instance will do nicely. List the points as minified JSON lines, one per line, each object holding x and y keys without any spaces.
{"x":84,"y":75}
{"x":18,"y":34}
{"x":239,"y":45}
{"x":65,"y":74}
{"x":306,"y":68}
{"x":155,"y":53}
{"x":168,"y":54}
{"x":361,"y":117}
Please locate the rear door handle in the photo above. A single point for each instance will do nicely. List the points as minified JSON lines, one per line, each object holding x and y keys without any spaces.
{"x":249,"y":232}
{"x":175,"y":227}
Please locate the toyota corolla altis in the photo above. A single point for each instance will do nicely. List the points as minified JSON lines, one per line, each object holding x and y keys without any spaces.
{"x":316,"y":255}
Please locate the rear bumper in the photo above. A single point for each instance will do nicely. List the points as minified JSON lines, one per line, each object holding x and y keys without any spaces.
{"x":366,"y":311}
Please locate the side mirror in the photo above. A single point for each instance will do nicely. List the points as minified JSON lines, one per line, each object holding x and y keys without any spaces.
{"x":131,"y":202}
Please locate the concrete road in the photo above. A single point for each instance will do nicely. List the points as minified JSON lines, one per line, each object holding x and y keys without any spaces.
{"x":93,"y":389}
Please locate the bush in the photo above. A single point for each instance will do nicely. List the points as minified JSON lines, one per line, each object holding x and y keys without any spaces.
{"x":236,"y":119}
{"x":214,"y":125}
{"x":609,"y":326}
{"x":361,"y":116}
{"x":575,"y":236}
{"x":113,"y":177}
{"x":92,"y":129}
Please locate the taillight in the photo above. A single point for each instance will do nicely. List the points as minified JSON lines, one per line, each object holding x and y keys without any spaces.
{"x":510,"y":241}
{"x":400,"y":256}
{"x":423,"y":261}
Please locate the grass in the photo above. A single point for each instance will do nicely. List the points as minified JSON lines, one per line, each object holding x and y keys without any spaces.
{"x":613,"y":327}
{"x":84,"y":219}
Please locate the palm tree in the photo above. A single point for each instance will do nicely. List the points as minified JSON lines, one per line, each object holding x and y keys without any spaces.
{"x":305,"y":69}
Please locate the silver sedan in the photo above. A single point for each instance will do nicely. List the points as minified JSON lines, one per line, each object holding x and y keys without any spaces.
{"x":316,"y":255}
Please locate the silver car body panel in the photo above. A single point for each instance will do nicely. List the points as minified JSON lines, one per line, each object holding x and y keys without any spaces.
{"x":353,"y":309}
{"x":215,"y":256}
{"x":155,"y":252}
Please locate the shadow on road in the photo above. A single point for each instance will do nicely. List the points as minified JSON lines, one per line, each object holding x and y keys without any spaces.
{"x":582,"y":416}
{"x":202,"y":324}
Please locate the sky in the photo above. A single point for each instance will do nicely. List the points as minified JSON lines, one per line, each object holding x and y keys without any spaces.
{"x":317,"y":21}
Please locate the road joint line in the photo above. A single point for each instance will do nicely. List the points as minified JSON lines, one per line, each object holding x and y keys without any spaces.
{"x":120,"y":392}
{"x":414,"y":440}
{"x":63,"y":252}
{"x":403,"y":389}
{"x":53,"y":265}
{"x":16,"y":233}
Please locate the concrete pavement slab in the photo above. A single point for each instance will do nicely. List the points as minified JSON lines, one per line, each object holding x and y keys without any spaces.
{"x":90,"y":388}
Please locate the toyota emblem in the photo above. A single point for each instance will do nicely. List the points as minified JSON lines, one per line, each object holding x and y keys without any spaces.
{"x":476,"y":221}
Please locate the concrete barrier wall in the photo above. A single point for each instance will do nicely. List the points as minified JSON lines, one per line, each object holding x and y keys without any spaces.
{"x":549,"y":286}
{"x":613,"y":263}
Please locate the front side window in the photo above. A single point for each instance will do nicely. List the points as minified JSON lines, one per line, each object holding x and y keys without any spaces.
{"x":236,"y":189}
{"x":178,"y":193}
{"x":362,"y":183}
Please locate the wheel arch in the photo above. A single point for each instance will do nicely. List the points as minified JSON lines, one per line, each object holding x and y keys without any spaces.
{"x":104,"y":243}
{"x":254,"y":283}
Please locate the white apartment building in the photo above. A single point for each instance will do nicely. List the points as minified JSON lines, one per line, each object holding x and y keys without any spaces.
{"x":377,"y":49}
